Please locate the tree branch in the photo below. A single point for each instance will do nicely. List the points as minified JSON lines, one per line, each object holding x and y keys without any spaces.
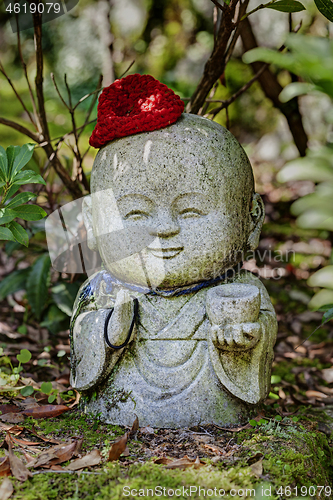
{"x":215,"y":65}
{"x":24,"y":66}
{"x":2,"y":70}
{"x":58,"y":91}
{"x":272,"y":90}
{"x":219,"y":6}
{"x":39,"y":74}
{"x":20,"y":128}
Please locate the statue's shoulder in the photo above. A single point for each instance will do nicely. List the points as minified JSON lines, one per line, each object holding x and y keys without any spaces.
{"x":97,"y":292}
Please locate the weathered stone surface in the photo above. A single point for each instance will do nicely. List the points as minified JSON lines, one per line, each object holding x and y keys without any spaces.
{"x":170,"y":211}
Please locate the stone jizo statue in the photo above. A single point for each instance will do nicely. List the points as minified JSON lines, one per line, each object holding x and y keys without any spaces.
{"x":172,"y":329}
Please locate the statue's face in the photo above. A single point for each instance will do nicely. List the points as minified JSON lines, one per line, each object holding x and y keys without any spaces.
{"x":188,"y":204}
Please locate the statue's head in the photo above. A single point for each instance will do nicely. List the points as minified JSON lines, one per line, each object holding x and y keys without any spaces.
{"x":182,"y":196}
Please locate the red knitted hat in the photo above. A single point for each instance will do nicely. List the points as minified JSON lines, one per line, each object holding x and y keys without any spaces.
{"x":134,"y":104}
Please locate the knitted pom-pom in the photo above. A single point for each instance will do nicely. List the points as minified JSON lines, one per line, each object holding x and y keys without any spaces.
{"x":134,"y":104}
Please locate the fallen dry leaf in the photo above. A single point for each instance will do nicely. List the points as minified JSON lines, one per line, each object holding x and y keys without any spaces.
{"x":327,"y":375}
{"x":77,"y":399}
{"x":6,"y":489}
{"x":46,"y":411}
{"x":126,"y":452}
{"x":13,"y":429}
{"x":78,"y":446}
{"x":17,"y":467}
{"x":163,"y":461}
{"x":256,"y":468}
{"x":135,"y":428}
{"x":9,"y":409}
{"x":4,"y":467}
{"x":118,"y":448}
{"x":56,"y":467}
{"x":30,"y":381}
{"x":28,"y":458}
{"x":28,"y":403}
{"x":93,"y":458}
{"x":22,"y":442}
{"x":184,"y":463}
{"x":55,"y":455}
{"x":65,"y":453}
{"x":215,"y":449}
{"x":315,"y":394}
{"x":12,"y":418}
{"x":325,"y":390}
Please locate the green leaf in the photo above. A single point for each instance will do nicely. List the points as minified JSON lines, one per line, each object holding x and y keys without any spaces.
{"x":19,"y":233}
{"x":23,"y":329}
{"x":325,"y":7}
{"x":61,"y":353}
{"x":325,"y":308}
{"x":3,"y":164}
{"x":64,"y":296}
{"x":275,"y":379}
{"x":28,"y":177}
{"x":20,"y":199}
{"x":29,"y":212}
{"x":278,"y":418}
{"x":6,"y":215}
{"x":12,"y":152}
{"x":23,"y":157}
{"x":51,"y":398}
{"x":14,"y":281}
{"x":24,"y":356}
{"x":295,"y":419}
{"x":287,"y":6}
{"x":46,"y":387}
{"x":327,"y":316}
{"x":37,"y":292}
{"x":6,"y":234}
{"x":254,"y":423}
{"x":296,"y":89}
{"x":27,"y":390}
{"x":11,"y":191}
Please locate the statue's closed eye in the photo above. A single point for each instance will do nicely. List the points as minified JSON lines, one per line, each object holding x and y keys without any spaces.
{"x":136,"y":215}
{"x":191,"y":212}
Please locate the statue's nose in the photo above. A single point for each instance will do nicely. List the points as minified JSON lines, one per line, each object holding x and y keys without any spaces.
{"x":164,"y":226}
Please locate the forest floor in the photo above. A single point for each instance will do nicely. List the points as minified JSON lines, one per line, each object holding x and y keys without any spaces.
{"x":49,"y":449}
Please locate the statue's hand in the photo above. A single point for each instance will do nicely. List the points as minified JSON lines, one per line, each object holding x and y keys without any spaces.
{"x":241,"y":336}
{"x":121,"y":319}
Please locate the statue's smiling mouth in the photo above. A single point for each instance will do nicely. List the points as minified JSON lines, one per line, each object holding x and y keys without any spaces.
{"x":165,"y":253}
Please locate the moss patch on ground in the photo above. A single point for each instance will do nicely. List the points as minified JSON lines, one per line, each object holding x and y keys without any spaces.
{"x":283,"y":454}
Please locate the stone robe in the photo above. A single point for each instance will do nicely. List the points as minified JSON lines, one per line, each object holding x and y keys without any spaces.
{"x":170,"y":374}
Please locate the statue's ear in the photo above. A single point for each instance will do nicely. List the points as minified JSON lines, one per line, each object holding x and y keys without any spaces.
{"x":87,"y":219}
{"x":257,"y":216}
